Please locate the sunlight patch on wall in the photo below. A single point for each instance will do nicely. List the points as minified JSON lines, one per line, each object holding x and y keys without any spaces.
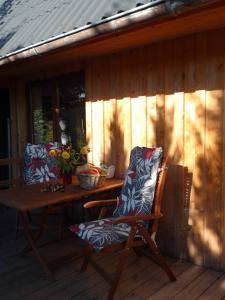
{"x":88,"y":110}
{"x":97,"y":131}
{"x":151,"y":121}
{"x":138,"y":117}
{"x":222,"y":285}
{"x":213,"y":242}
{"x":194,"y":251}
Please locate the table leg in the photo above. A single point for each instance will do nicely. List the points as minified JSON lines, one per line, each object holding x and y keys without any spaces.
{"x":25,"y":223}
{"x":37,"y":236}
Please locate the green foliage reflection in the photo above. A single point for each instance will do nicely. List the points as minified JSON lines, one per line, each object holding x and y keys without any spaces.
{"x":43,"y":127}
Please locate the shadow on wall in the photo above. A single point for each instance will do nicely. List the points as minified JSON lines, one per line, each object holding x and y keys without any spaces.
{"x":118,"y":154}
{"x":175,"y":225}
{"x":175,"y":101}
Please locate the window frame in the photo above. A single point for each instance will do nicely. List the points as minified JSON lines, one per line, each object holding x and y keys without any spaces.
{"x":55,"y":82}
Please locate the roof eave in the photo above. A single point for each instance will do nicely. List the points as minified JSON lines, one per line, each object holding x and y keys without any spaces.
{"x":157,"y":10}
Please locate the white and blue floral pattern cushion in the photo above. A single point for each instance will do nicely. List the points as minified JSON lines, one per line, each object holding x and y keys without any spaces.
{"x":101,"y":232}
{"x":38,"y":165}
{"x":136,"y":198}
{"x":138,"y":191}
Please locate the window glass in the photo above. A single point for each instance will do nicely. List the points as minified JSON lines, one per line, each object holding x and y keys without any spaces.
{"x":58,"y":110}
{"x":72,"y":111}
{"x":42,"y":115}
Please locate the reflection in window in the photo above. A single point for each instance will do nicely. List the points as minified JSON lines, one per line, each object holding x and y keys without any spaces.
{"x":72,"y":111}
{"x":42,"y":114}
{"x":58,"y":110}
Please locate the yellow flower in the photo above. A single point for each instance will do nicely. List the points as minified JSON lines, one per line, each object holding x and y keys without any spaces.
{"x":84,"y":150}
{"x":65,"y":155}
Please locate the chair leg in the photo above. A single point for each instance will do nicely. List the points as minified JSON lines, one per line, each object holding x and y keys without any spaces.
{"x":18,"y":223}
{"x":24,"y":220}
{"x":39,"y":233}
{"x":157,"y":254}
{"x":87,"y":254}
{"x":122,"y":263}
{"x":119,"y":271}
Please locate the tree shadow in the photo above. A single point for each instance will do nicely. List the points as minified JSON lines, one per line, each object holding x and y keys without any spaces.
{"x":172,"y":235}
{"x":175,"y":101}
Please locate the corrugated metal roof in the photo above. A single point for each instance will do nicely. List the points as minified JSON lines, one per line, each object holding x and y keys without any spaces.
{"x":27,"y":22}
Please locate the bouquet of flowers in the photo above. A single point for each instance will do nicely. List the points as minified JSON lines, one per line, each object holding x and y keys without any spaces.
{"x":67,"y":158}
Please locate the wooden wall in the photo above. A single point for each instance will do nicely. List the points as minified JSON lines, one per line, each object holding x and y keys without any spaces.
{"x":169,"y":94}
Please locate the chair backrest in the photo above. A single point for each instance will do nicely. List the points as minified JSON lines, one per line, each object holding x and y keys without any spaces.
{"x":138,"y":191}
{"x":38,"y":165}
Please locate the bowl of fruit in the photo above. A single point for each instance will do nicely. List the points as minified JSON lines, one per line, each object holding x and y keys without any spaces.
{"x":90,"y":176}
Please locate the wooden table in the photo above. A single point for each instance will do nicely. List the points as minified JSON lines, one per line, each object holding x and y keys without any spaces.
{"x":27,"y":198}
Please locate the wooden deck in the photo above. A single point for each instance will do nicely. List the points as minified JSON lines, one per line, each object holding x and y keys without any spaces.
{"x":22,"y":277}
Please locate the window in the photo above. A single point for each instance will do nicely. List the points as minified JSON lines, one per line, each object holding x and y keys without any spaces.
{"x":57,"y":109}
{"x":42,"y":103}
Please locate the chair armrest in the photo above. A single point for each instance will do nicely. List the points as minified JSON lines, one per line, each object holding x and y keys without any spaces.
{"x":135,"y":219}
{"x":99,"y":203}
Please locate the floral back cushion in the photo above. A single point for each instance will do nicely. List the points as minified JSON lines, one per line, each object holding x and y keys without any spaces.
{"x":38,"y":165}
{"x":138,"y":191}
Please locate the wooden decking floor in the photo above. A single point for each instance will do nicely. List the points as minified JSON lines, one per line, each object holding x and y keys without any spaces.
{"x":22,"y":277}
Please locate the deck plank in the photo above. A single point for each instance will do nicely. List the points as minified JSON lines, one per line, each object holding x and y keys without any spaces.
{"x":171,"y":289}
{"x":22,"y":278}
{"x":101,"y":287}
{"x":215,"y":291}
{"x":71,"y":284}
{"x":198,"y":286}
{"x":151,"y":285}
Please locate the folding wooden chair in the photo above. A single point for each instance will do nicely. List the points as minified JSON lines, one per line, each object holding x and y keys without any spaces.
{"x":135,"y":220}
{"x":39,"y":168}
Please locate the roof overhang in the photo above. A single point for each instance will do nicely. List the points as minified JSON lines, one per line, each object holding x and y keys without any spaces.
{"x":153,"y":24}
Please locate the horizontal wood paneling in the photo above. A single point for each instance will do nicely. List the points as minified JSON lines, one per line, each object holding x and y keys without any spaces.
{"x":169,"y":94}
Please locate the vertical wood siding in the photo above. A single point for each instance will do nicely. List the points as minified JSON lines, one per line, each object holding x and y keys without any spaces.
{"x":169,"y":94}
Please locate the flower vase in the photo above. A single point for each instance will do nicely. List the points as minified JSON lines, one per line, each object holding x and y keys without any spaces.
{"x":67,"y":178}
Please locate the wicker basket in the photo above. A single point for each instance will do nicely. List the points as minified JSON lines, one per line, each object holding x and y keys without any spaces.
{"x":101,"y":180}
{"x":88,"y":181}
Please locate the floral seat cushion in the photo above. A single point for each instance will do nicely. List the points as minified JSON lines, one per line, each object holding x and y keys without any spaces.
{"x":100,"y":233}
{"x":138,"y":191}
{"x":38,"y":165}
{"x":136,"y":198}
